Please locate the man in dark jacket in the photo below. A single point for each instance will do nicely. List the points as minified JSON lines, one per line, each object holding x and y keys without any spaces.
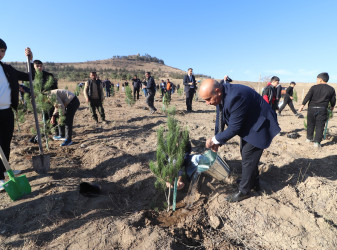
{"x":288,"y":99}
{"x":9,"y":99}
{"x":190,"y":86}
{"x":319,"y":98}
{"x":269,"y":92}
{"x":247,"y":115}
{"x":151,"y":91}
{"x":93,"y":94}
{"x":278,"y":94}
{"x":107,"y":86}
{"x":136,"y":83}
{"x":38,"y":65}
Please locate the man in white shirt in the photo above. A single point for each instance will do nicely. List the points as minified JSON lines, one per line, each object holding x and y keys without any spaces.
{"x":9,"y":99}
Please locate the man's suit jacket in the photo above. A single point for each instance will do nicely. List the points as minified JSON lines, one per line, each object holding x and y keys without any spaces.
{"x":247,"y":115}
{"x":187,"y":81}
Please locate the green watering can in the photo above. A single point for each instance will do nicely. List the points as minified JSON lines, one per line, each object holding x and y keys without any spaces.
{"x":16,"y":186}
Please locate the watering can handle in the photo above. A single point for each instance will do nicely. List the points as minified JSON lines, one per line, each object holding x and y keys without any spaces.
{"x":4,"y":160}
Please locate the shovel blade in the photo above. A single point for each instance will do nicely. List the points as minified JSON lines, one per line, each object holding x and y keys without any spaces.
{"x":18,"y":187}
{"x":41,"y":163}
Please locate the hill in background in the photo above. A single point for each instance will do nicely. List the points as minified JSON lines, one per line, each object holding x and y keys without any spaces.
{"x":117,"y":67}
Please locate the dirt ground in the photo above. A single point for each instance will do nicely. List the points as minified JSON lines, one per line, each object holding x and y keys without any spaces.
{"x":296,"y":208}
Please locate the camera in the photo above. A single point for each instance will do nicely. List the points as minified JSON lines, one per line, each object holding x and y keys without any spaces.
{"x":228,"y":79}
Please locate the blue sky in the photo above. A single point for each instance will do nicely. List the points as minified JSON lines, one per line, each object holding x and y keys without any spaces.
{"x":294,"y":40}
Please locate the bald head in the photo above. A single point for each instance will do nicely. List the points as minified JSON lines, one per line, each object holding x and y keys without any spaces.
{"x":211,"y":91}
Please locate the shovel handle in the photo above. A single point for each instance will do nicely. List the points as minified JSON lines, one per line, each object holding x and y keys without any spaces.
{"x":29,"y":67}
{"x":4,"y":160}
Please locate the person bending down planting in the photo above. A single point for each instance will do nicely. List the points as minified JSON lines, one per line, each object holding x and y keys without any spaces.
{"x":247,"y":115}
{"x":67,"y":104}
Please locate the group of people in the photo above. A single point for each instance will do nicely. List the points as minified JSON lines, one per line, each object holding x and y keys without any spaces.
{"x":240,"y":110}
{"x":321,"y":98}
{"x":253,"y":118}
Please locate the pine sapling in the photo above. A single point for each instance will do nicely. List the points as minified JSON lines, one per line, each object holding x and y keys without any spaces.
{"x":77,"y":90}
{"x":166,"y":102}
{"x":43,"y":103}
{"x":180,"y":91}
{"x":19,"y":115}
{"x":171,"y":146}
{"x":128,"y":96}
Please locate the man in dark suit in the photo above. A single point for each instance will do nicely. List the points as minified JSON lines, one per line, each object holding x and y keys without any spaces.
{"x":151,"y":91}
{"x":190,"y":86}
{"x":247,"y":115}
{"x":9,"y":99}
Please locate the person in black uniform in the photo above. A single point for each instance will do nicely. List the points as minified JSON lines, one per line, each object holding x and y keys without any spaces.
{"x":319,"y":98}
{"x":288,"y":99}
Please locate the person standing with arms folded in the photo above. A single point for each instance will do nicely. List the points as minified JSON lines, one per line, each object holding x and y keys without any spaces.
{"x":9,"y":99}
{"x":319,"y":98}
{"x":190,"y":86}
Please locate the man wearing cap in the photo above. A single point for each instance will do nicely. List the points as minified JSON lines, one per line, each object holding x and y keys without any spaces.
{"x":9,"y":99}
{"x":247,"y":115}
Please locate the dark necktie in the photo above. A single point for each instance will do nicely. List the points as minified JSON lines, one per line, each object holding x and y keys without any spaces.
{"x":220,"y":122}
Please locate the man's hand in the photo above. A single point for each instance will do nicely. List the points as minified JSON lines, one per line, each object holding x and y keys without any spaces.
{"x":191,"y":83}
{"x":225,"y":78}
{"x":87,"y":100}
{"x":210,"y":144}
{"x":29,"y":53}
{"x":301,"y":108}
{"x":291,"y":97}
{"x":53,"y":120}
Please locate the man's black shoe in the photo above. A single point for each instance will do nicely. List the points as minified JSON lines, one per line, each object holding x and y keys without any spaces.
{"x":236,"y":197}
